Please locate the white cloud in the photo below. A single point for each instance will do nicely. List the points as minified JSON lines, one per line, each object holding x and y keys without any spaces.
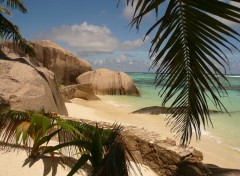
{"x":132,"y":44}
{"x":122,"y":62}
{"x":128,"y":11}
{"x":86,"y":38}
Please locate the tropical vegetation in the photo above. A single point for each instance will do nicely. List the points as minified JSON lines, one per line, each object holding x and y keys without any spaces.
{"x":105,"y":148}
{"x":188,"y":49}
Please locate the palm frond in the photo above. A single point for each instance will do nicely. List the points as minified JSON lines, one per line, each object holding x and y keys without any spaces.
{"x":5,"y":11}
{"x":9,"y":122}
{"x":15,"y":123}
{"x":88,"y":132}
{"x":188,"y":48}
{"x":16,"y":4}
{"x":117,"y":161}
{"x":10,"y":31}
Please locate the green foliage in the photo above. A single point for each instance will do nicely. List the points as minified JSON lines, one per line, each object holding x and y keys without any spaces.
{"x":188,"y":48}
{"x":104,"y":148}
{"x":37,"y":127}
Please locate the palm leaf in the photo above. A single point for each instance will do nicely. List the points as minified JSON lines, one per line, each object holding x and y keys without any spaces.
{"x":10,"y":31}
{"x":15,"y":4}
{"x":5,"y":10}
{"x":9,"y":122}
{"x":22,"y":129}
{"x":117,"y":161}
{"x":82,"y":160}
{"x":189,"y":41}
{"x":14,"y":123}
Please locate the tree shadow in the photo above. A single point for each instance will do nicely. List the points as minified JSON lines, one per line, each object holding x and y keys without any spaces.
{"x":51,"y":164}
{"x":218,"y":171}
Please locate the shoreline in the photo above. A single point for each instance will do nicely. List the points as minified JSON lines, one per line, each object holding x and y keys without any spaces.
{"x":146,"y":127}
{"x":103,"y":111}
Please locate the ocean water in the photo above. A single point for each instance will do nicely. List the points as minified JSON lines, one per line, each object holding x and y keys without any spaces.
{"x":226,"y":130}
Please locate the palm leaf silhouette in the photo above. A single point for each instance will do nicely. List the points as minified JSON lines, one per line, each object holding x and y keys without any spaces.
{"x":188,"y":49}
{"x":8,"y":30}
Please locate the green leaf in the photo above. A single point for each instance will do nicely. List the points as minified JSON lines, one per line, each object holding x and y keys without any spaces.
{"x":16,"y":4}
{"x":22,"y":129}
{"x":69,"y":127}
{"x":83,"y":159}
{"x":80,"y":143}
{"x":40,"y":122}
{"x":97,"y":148}
{"x":47,"y":138}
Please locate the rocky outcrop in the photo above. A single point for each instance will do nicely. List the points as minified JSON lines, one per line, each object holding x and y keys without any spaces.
{"x":24,"y":86}
{"x":161,"y":155}
{"x":107,"y":82}
{"x":63,"y":64}
{"x":156,"y":110}
{"x":83,"y":91}
{"x":167,"y":159}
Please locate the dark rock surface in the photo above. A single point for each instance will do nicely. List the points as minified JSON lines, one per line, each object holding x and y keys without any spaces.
{"x":167,"y":160}
{"x":156,"y":110}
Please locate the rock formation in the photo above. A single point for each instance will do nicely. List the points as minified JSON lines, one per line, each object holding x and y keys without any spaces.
{"x":63,"y":64}
{"x":166,"y":158}
{"x":24,"y":86}
{"x":108,"y":82}
{"x":83,"y":91}
{"x":162,"y":156}
{"x":156,"y":110}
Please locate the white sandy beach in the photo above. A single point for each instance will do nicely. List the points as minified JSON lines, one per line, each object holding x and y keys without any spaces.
{"x":15,"y":163}
{"x":213,"y":152}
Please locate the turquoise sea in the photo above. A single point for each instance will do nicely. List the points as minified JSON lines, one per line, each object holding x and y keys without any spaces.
{"x":226,"y":127}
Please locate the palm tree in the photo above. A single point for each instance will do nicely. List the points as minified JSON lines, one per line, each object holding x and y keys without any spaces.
{"x":104,"y":148}
{"x":8,"y":30}
{"x":188,"y":51}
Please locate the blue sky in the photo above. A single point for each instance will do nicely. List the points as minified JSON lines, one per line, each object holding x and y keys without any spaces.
{"x":94,"y":30}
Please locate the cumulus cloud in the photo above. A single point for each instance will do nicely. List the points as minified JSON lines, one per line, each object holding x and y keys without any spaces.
{"x":86,"y":38}
{"x":132,"y":44}
{"x":122,"y":62}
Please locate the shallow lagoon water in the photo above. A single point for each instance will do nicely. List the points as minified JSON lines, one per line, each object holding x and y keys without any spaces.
{"x":226,"y":130}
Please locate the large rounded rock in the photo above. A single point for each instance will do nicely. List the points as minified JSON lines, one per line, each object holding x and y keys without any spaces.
{"x":105,"y":81}
{"x":63,"y":64}
{"x":24,"y":87}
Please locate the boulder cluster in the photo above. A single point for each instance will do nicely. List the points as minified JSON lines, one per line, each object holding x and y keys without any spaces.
{"x":53,"y":77}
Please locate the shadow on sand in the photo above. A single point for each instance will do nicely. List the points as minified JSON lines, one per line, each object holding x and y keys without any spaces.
{"x":217,"y":171}
{"x":51,"y":165}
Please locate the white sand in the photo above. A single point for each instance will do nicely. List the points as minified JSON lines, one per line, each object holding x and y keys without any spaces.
{"x":16,"y":163}
{"x":213,"y":152}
